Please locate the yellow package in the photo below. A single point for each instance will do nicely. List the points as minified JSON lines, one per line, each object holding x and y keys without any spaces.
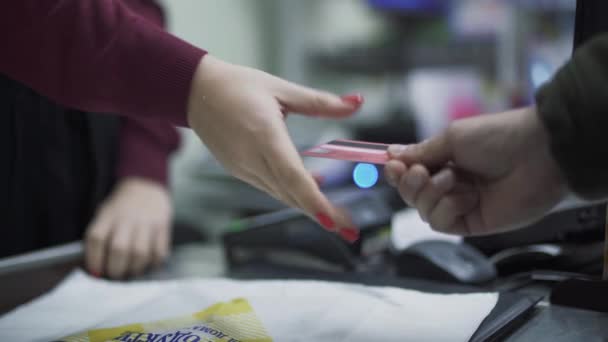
{"x":234,"y":321}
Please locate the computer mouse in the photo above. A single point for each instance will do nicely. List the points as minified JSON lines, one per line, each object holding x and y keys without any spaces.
{"x":445,"y":261}
{"x":526,"y":256}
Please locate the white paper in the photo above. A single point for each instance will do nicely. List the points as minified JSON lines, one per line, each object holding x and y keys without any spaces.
{"x":289,"y":310}
{"x":407,"y":228}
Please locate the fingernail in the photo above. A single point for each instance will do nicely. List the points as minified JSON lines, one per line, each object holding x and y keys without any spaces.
{"x":325,"y":221}
{"x":396,"y":150}
{"x":349,"y":234}
{"x":353,"y":99}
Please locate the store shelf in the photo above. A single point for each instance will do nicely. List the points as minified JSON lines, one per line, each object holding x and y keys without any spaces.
{"x":363,"y":60}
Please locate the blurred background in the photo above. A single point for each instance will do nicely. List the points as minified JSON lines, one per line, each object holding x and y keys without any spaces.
{"x":419,"y":63}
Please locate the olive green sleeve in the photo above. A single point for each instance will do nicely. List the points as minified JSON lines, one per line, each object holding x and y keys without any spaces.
{"x":574,"y":109}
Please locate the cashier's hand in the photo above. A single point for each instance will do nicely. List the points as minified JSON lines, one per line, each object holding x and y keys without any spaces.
{"x":131,"y":231}
{"x":494,"y":173}
{"x":239,"y":113}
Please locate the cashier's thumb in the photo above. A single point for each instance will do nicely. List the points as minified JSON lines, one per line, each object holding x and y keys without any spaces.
{"x":434,"y":152}
{"x":308,"y":101}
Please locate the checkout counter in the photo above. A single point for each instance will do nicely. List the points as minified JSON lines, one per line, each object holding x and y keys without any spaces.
{"x":26,"y":277}
{"x":523,"y":312}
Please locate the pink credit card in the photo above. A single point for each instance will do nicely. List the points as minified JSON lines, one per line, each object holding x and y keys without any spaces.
{"x":350,"y":150}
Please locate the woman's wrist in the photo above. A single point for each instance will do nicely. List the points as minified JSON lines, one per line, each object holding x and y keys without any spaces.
{"x":207,"y":78}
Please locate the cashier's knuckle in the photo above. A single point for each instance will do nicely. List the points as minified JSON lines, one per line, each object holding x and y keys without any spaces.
{"x":140,"y":252}
{"x":95,"y":236}
{"x":120,"y":248}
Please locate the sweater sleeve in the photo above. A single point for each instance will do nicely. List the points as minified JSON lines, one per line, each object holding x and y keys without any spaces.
{"x":574,"y":109}
{"x":145,"y":148}
{"x":98,"y":56}
{"x":146,"y":144}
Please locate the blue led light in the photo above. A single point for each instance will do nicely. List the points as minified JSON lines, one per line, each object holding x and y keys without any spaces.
{"x":365,"y":175}
{"x":540,"y":73}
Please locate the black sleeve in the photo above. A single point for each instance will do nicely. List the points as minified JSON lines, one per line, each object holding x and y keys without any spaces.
{"x":574,"y":109}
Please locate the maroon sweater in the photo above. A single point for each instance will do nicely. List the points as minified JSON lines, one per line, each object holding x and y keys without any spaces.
{"x":105,"y":56}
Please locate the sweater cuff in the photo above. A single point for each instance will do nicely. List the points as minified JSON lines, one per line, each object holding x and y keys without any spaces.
{"x":145,"y":149}
{"x":155,"y":169}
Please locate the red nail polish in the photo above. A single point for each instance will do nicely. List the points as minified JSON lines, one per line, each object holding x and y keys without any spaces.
{"x":96,"y":274}
{"x":349,"y":234}
{"x":353,"y":99}
{"x":325,"y":221}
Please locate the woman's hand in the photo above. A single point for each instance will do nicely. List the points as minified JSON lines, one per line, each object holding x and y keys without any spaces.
{"x":239,"y":113}
{"x":496,"y":173}
{"x":131,"y":231}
